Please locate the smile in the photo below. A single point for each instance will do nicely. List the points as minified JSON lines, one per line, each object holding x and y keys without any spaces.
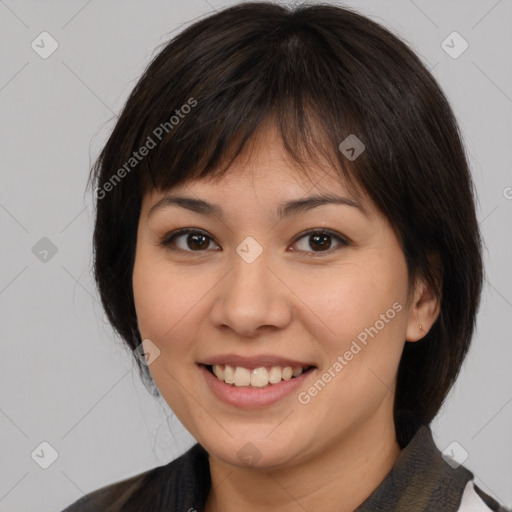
{"x":260,"y":377}
{"x":254,"y":383}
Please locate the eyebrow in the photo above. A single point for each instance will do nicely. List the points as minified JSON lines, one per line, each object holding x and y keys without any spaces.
{"x":285,"y":209}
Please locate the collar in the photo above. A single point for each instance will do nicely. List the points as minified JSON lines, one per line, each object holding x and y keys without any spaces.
{"x":421,"y":480}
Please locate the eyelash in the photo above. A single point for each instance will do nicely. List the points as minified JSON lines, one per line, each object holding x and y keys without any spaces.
{"x":171,"y":237}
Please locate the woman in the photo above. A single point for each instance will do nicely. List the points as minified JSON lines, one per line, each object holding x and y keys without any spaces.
{"x":286,"y":238}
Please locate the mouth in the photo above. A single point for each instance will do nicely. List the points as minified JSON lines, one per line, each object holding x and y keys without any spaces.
{"x":259,"y":377}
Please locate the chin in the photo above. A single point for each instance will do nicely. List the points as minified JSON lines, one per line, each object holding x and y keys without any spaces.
{"x":255,"y":451}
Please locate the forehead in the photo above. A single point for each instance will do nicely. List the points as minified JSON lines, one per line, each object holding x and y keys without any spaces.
{"x":264,"y":170}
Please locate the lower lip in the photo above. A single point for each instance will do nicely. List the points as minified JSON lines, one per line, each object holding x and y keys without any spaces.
{"x":252,"y":397}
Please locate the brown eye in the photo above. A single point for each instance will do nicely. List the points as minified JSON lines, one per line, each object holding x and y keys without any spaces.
{"x":319,"y":241}
{"x":188,"y":240}
{"x":192,"y":240}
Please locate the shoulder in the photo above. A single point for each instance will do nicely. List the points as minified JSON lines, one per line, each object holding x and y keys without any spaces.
{"x":113,"y":495}
{"x":154,"y":486}
{"x":476,"y":500}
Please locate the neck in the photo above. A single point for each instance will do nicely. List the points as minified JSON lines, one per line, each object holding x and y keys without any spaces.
{"x":339,"y":478}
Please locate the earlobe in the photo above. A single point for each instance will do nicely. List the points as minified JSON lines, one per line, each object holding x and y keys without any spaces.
{"x":423,"y":313}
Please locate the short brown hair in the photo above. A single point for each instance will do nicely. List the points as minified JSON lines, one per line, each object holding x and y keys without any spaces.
{"x":321,"y":73}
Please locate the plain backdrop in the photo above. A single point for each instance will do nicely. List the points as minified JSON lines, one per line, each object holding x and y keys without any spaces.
{"x":66,"y":381}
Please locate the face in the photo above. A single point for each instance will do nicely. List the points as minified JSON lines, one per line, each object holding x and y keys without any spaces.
{"x":259,"y":292}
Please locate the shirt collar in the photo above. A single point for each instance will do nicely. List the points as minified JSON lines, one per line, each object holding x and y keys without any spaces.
{"x":420,"y":480}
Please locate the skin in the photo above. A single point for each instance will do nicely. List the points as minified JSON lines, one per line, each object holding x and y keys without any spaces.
{"x":205,"y":300}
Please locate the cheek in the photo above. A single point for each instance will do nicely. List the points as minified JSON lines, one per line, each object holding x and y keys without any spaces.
{"x":363,"y":332}
{"x":358,"y":300}
{"x":162,"y":295}
{"x":167,"y":302}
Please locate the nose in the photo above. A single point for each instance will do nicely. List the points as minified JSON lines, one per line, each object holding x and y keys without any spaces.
{"x":252,"y":298}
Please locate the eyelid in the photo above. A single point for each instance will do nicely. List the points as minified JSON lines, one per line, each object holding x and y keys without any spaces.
{"x":344,"y":241}
{"x":170,"y":237}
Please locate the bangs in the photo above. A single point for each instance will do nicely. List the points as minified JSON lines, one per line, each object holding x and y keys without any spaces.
{"x":284,"y":80}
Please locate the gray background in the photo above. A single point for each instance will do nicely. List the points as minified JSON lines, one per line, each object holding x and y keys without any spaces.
{"x":65,"y":378}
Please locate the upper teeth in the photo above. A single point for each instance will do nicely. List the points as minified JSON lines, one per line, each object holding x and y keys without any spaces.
{"x":259,"y":377}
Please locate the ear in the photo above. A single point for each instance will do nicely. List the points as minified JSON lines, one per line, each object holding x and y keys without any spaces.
{"x":423,"y":312}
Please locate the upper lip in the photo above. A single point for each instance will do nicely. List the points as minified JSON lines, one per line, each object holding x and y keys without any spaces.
{"x":251,"y":362}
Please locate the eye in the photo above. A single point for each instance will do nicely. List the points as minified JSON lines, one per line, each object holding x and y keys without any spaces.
{"x":320,"y":239}
{"x":194,"y":240}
